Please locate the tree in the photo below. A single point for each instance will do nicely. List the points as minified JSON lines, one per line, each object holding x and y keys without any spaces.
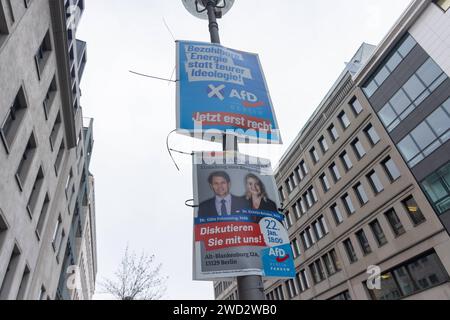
{"x":137,"y":278}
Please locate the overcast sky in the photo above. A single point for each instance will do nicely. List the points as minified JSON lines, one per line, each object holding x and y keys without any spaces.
{"x":139,"y":194}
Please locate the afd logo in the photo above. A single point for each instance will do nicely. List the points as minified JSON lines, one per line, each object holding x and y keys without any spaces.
{"x":280,"y":254}
{"x":248,"y":99}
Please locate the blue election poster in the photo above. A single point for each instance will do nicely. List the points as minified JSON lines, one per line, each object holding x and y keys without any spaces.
{"x":223,"y":89}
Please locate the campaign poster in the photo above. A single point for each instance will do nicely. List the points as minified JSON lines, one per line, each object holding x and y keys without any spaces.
{"x":238,"y":230}
{"x":223,"y":89}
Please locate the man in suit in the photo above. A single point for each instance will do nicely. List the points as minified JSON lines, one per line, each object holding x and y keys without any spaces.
{"x":223,"y":203}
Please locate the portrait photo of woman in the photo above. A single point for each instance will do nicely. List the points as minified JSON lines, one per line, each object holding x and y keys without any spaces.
{"x":256,"y":195}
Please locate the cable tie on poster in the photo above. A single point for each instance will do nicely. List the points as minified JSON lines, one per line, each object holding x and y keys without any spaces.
{"x":190,"y":205}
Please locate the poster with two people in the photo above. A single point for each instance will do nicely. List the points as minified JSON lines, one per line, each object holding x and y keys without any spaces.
{"x":238,"y":229}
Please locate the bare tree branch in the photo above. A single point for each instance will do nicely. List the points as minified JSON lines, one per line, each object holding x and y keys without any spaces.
{"x":137,"y":278}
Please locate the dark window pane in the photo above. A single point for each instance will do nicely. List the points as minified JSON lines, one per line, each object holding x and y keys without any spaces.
{"x":387,"y":115}
{"x":389,"y":289}
{"x":395,"y":222}
{"x":414,"y":87}
{"x":363,"y":242}
{"x":423,"y":135}
{"x":378,"y":233}
{"x":400,"y":102}
{"x":413,"y":210}
{"x":391,"y":169}
{"x":357,"y":107}
{"x":394,"y":61}
{"x":408,"y":148}
{"x":350,"y":251}
{"x":437,"y":188}
{"x":428,"y":272}
{"x":407,"y":45}
{"x":429,"y":72}
{"x":370,"y":88}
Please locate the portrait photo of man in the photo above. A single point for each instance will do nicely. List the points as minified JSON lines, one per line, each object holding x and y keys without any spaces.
{"x":223,"y":203}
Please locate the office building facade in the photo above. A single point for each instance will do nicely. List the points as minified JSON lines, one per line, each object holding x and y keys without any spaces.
{"x":47,"y":216}
{"x":365,"y":183}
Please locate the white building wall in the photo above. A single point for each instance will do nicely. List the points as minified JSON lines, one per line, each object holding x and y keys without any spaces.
{"x":432,"y":32}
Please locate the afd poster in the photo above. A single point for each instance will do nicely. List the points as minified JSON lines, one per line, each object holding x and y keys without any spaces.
{"x":223,"y":89}
{"x":238,"y":230}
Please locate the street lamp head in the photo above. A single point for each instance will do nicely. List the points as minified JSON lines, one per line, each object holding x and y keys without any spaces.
{"x":198,"y":7}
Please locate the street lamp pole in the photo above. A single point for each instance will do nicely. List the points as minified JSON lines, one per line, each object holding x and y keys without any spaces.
{"x":249,"y":287}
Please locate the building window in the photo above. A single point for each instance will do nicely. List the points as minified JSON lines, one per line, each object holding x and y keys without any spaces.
{"x":310,"y":235}
{"x":426,"y":79}
{"x":26,"y":162}
{"x":302,"y":206}
{"x":288,"y":220}
{"x":413,"y":210}
{"x":295,"y":248}
{"x":421,"y":273}
{"x":350,"y":251}
{"x":348,"y":165}
{"x":443,"y":4}
{"x":13,"y":119}
{"x":57,"y":233}
{"x":68,"y":181}
{"x":343,"y":119}
{"x":11,"y":269}
{"x":342,"y":296}
{"x":335,"y":172}
{"x":55,"y":130}
{"x":395,"y":222}
{"x":42,"y":54}
{"x":320,"y":228}
{"x":428,"y":136}
{"x":289,"y":185}
{"x":292,"y":288}
{"x":59,"y":157}
{"x":304,"y":280}
{"x":334,"y":260}
{"x":391,"y":169}
{"x":312,"y":191}
{"x":325,"y":183}
{"x":317,"y":271}
{"x":348,"y":204}
{"x":389,"y":65}
{"x":42,"y":293}
{"x":333,"y":133}
{"x":372,"y":135}
{"x":361,"y":193}
{"x":306,"y":242}
{"x":304,"y":168}
{"x":356,"y":106}
{"x":363,"y":242}
{"x":323,"y":144}
{"x":3,"y":229}
{"x":49,"y":97}
{"x":281,"y":193}
{"x":437,"y":188}
{"x":314,"y":155}
{"x":329,"y":266}
{"x":375,"y":182}
{"x":358,"y":149}
{"x":43,"y":216}
{"x":378,"y":233}
{"x":35,"y":192}
{"x":298,"y":174}
{"x":24,"y":284}
{"x":337,"y":215}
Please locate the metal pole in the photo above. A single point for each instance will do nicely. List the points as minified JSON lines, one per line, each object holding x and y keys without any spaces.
{"x":249,"y":287}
